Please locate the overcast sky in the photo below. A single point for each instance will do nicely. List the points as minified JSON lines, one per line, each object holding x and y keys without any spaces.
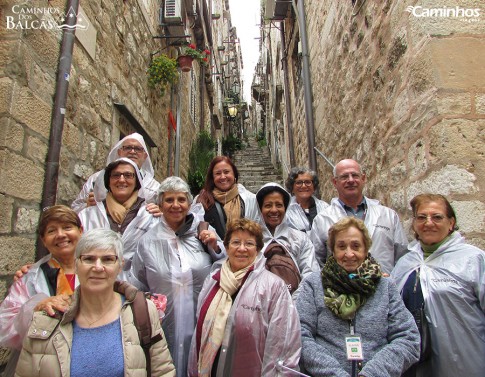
{"x":245,"y":17}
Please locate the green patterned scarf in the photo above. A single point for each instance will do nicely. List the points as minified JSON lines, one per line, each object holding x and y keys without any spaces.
{"x":344,"y":294}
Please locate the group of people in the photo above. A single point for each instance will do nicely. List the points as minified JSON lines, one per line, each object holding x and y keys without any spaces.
{"x":272,"y":283}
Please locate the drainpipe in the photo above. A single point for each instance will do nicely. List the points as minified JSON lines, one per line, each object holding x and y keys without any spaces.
{"x":289,"y":115}
{"x":49,"y":192}
{"x":202,"y":96}
{"x":178,"y":132}
{"x":310,"y":126}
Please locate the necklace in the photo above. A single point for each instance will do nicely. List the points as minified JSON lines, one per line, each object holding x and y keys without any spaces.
{"x":90,"y":323}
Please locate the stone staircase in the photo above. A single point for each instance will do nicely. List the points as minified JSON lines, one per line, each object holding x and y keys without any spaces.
{"x":255,"y":167}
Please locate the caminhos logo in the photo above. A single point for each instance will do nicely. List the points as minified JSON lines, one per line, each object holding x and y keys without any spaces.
{"x":24,"y":17}
{"x":464,"y":14}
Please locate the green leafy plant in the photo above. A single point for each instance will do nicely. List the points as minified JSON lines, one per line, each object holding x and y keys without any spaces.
{"x":261,"y":138}
{"x":231,"y":144}
{"x":162,"y":72}
{"x":202,"y":56}
{"x":200,"y":156}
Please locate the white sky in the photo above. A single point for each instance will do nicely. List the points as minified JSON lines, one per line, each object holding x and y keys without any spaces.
{"x":245,"y":17}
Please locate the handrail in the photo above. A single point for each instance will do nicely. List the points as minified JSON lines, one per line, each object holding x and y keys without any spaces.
{"x":325,"y":158}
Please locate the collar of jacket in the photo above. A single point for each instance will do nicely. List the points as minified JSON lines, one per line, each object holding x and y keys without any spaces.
{"x":121,"y":287}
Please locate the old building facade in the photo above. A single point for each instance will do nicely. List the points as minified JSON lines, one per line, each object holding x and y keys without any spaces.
{"x":108,"y":97}
{"x":396,"y":85}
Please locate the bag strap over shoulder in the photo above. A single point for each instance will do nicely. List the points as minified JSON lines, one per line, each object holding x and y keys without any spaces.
{"x":141,"y":318}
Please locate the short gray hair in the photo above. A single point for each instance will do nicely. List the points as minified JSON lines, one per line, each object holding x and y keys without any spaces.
{"x":174,"y":184}
{"x":100,"y":239}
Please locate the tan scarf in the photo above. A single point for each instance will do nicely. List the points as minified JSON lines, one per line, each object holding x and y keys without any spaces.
{"x":63,"y":285}
{"x":231,"y":202}
{"x":119,"y":210}
{"x":216,"y":317}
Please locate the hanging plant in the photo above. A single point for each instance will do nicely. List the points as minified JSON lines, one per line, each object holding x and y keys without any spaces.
{"x":202,"y":56}
{"x":162,"y":72}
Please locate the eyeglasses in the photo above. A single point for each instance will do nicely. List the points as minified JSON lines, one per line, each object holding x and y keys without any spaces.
{"x":248,"y":244}
{"x":128,"y":148}
{"x":106,"y":260}
{"x":301,"y":183}
{"x":436,"y":218}
{"x":128,"y":176}
{"x":346,"y":177}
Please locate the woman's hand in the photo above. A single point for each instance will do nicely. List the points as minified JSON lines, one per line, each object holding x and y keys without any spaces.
{"x":51,"y":304}
{"x":90,"y":201}
{"x":209,"y":238}
{"x":23,"y":270}
{"x":153,"y":209}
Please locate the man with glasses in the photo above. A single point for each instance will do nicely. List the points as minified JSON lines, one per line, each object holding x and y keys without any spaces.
{"x":133,"y":147}
{"x":389,"y":241}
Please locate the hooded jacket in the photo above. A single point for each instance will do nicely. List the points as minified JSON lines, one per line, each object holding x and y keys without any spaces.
{"x":96,"y":217}
{"x":175,"y":264}
{"x":389,"y":242}
{"x":95,"y":181}
{"x":262,"y":329}
{"x":296,"y":242}
{"x":47,"y":348}
{"x":453,"y":283}
{"x":296,"y":216}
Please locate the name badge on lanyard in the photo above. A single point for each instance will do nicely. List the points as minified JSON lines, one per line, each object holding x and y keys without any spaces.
{"x":353,"y":345}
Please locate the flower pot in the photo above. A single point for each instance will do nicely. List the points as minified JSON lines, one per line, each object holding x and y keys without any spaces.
{"x":185,"y":63}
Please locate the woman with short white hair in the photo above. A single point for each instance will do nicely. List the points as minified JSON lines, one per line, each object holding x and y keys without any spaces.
{"x":174,"y":258}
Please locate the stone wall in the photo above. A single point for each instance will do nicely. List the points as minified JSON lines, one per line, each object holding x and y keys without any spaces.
{"x":405,"y":96}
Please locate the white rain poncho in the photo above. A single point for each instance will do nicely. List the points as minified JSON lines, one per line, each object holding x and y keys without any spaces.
{"x":296,"y":242}
{"x":453,"y":284}
{"x":296,"y":216}
{"x":175,"y":264}
{"x":96,"y":217}
{"x":17,"y":309}
{"x":95,"y":181}
{"x":262,"y":330}
{"x":389,"y":241}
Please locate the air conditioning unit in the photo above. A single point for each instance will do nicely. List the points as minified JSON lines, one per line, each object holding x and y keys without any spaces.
{"x":172,"y":12}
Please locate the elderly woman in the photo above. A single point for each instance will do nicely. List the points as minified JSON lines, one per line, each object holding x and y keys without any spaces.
{"x":445,"y":277}
{"x":123,"y":210}
{"x":302,"y":183}
{"x":173,"y":259}
{"x":96,"y":336}
{"x":273,"y":201}
{"x":223,"y":198}
{"x":49,"y":283}
{"x":353,"y":321}
{"x":247,"y":324}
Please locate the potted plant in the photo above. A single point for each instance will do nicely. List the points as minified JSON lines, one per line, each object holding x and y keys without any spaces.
{"x":162,"y":72}
{"x":190,"y":52}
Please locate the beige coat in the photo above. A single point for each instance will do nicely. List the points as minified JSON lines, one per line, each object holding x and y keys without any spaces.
{"x":46,"y":348}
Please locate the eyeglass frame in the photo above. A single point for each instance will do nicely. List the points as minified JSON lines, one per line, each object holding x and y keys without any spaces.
{"x":134,"y":148}
{"x":346,"y":177}
{"x":306,"y":182}
{"x":117,"y":176}
{"x":436,"y":218}
{"x":83,"y":261}
{"x":237,"y":244}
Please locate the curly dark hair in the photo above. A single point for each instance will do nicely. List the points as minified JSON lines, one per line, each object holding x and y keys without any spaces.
{"x":295,"y":172}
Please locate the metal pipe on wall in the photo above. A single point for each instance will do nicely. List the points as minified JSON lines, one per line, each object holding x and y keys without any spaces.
{"x":307,"y":89}
{"x":51,"y":176}
{"x":289,"y":115}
